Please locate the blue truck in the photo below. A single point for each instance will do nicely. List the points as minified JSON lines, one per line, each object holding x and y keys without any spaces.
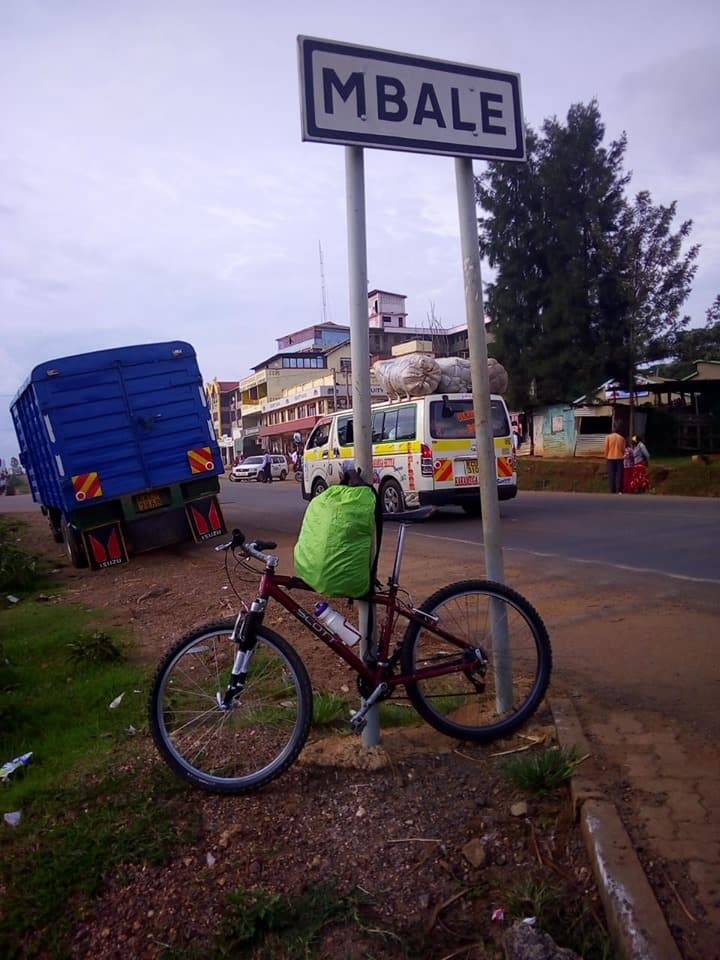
{"x":120,"y":451}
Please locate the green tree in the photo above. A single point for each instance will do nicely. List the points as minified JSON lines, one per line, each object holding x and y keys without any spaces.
{"x":510,"y":239}
{"x":701,"y":343}
{"x":547,"y":234}
{"x":656,"y":280}
{"x":698,"y":343}
{"x":587,"y":284}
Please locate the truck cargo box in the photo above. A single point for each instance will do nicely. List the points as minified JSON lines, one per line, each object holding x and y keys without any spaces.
{"x":121,"y":437}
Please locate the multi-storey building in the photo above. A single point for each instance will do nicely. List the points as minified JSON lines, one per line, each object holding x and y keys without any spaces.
{"x":310,"y":374}
{"x":301,"y":357}
{"x":222,"y":402}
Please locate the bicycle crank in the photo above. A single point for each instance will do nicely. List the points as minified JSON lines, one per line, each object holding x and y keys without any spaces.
{"x":357,"y":719}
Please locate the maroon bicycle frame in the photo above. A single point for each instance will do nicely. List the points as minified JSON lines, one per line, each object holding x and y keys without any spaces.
{"x":273,"y":586}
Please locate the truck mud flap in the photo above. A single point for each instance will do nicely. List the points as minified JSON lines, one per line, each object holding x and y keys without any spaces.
{"x":205,"y":518}
{"x":105,"y":546}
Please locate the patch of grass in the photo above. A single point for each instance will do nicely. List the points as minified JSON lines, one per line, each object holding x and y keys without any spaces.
{"x":540,"y":772}
{"x":95,"y":647}
{"x":265,"y":926}
{"x":258,"y":925}
{"x":333,"y":711}
{"x":397,"y":715}
{"x":82,"y":811}
{"x":570,"y":920}
{"x":71,"y":837}
{"x":329,"y":709}
{"x":59,"y":713}
{"x":668,"y":475}
{"x":19,"y":571}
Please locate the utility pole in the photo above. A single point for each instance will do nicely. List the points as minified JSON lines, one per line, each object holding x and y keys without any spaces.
{"x":322,"y":284}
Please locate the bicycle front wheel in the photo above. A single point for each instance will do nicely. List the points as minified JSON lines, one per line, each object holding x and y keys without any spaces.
{"x":241,"y":748}
{"x":501,"y":646}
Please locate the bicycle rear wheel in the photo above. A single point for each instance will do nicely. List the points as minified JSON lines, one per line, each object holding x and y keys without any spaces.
{"x":497,"y":691}
{"x":234,"y":750}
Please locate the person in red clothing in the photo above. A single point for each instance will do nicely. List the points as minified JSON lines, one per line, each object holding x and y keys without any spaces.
{"x":641,"y":457}
{"x":614,"y":454}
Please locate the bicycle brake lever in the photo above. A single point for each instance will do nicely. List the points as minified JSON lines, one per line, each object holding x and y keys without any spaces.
{"x":238,"y":538}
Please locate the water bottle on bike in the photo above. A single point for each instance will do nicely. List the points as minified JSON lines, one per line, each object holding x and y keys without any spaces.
{"x":337,"y":623}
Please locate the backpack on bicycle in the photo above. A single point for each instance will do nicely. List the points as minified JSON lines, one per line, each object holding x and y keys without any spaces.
{"x":334,"y":553}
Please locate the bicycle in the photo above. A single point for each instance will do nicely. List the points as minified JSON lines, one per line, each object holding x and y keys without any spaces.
{"x":231,"y":702}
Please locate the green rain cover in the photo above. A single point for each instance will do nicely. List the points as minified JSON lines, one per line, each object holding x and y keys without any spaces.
{"x":333,"y":553}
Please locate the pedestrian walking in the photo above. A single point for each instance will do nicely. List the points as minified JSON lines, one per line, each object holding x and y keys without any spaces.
{"x":614,"y":455}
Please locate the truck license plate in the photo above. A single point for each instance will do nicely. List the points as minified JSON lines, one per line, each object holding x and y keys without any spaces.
{"x":148,"y":501}
{"x":471,"y":467}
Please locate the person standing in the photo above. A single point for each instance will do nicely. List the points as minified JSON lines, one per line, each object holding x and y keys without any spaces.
{"x":628,"y":467}
{"x":267,"y":467}
{"x":641,"y":459}
{"x":614,"y":454}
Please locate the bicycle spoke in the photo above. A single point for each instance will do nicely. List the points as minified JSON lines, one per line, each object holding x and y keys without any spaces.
{"x":240,"y":747}
{"x":507,"y":641}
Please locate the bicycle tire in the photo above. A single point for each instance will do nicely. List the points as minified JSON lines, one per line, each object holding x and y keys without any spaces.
{"x":238,"y":750}
{"x":452,"y":704}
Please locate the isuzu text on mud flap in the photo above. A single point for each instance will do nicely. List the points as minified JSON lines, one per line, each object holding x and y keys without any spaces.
{"x":120,"y":451}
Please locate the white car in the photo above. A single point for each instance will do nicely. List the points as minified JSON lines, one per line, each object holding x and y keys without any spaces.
{"x":250,"y":468}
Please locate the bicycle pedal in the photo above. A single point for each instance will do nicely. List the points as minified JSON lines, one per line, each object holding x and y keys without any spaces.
{"x":357,"y":726}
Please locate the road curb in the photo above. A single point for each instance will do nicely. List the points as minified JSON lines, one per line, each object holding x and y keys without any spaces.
{"x":636,"y":923}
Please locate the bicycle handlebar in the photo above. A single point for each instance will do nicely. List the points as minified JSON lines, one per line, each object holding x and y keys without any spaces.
{"x":253,"y":549}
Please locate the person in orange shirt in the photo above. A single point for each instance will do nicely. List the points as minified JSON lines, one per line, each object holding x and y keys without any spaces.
{"x":614,"y":453}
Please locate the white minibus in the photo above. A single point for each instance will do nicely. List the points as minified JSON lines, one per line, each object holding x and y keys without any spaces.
{"x":424,"y":452}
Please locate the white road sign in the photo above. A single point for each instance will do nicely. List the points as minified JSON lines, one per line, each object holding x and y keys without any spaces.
{"x":361,"y":96}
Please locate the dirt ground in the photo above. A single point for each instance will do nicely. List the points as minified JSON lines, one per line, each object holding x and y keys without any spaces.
{"x":422,"y":825}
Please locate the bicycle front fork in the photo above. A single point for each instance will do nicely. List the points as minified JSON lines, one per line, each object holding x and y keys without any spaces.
{"x":245,"y":636}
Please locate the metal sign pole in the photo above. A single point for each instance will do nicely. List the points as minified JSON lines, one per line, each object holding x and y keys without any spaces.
{"x":360,"y":362}
{"x":477,"y":343}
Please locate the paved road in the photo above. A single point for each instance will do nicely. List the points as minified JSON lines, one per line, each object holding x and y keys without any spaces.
{"x":678,"y":537}
{"x":675,"y":536}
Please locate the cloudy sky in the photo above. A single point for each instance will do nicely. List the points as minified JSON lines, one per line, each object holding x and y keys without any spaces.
{"x":154,"y":184}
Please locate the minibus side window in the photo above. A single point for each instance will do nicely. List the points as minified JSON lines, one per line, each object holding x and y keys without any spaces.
{"x":406,"y":423}
{"x":345,"y":431}
{"x":377,"y":426}
{"x":389,"y":428}
{"x":319,"y":436}
{"x":500,"y":425}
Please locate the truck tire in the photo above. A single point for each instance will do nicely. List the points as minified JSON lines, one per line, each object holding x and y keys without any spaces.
{"x":55,"y":520}
{"x":74,"y":547}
